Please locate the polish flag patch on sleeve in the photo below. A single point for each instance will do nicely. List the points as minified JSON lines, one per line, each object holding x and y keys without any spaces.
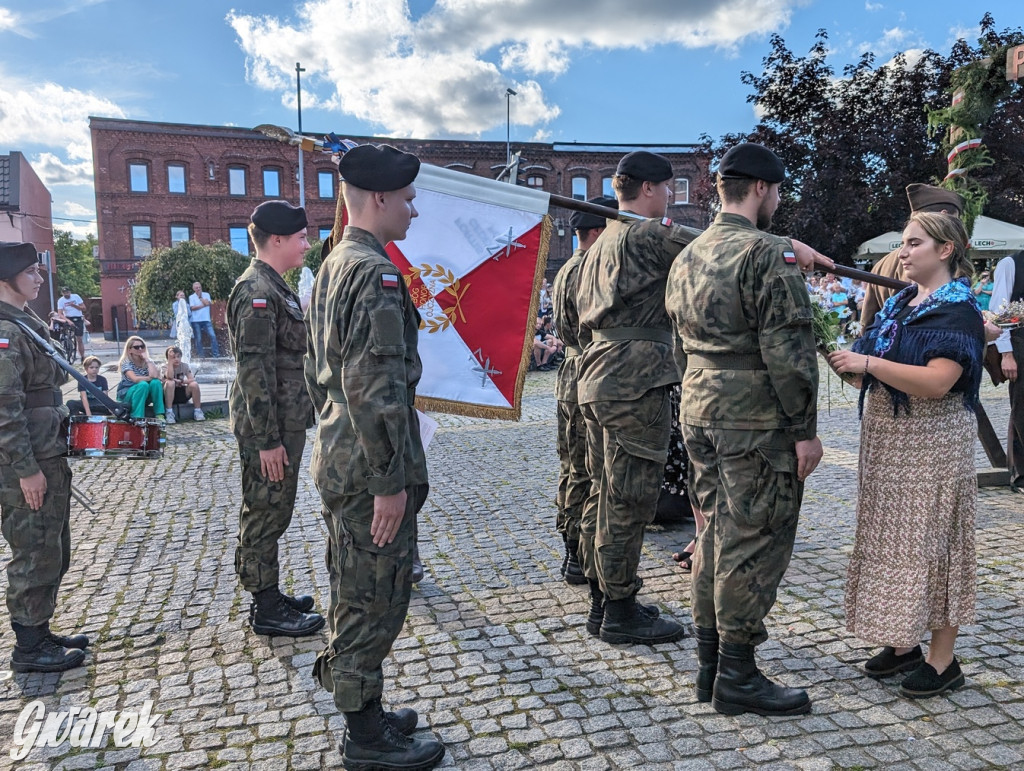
{"x":789,"y":257}
{"x":666,"y":221}
{"x":389,"y":280}
{"x":259,"y":302}
{"x":5,"y":342}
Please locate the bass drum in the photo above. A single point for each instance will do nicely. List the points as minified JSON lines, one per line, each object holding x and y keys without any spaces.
{"x":102,"y":436}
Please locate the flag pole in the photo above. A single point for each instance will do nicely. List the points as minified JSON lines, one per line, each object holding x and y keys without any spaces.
{"x":586,"y":207}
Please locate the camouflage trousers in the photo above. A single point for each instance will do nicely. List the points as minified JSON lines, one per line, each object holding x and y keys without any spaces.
{"x":40,"y":542}
{"x":745,"y":483}
{"x":573,"y":478}
{"x":627,"y":444}
{"x":265,"y":514}
{"x":370,"y":590}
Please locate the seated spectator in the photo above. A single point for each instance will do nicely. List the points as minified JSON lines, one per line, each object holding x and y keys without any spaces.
{"x":140,"y":384}
{"x":179,"y":385}
{"x":87,"y":404}
{"x":543,"y":349}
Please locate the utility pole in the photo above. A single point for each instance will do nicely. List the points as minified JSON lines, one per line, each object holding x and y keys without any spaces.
{"x":302,"y":176}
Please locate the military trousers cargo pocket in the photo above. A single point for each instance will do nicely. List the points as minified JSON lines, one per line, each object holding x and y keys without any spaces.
{"x":375,"y":578}
{"x":775,"y":503}
{"x":638,"y":468}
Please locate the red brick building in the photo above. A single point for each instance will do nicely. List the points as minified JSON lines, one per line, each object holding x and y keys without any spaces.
{"x":161,"y":183}
{"x":26,"y":216}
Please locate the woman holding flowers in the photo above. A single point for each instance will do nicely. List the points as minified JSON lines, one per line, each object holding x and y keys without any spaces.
{"x":919,"y":366}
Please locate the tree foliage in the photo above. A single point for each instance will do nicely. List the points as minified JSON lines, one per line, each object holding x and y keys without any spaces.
{"x":310,"y":260}
{"x":165,"y":271}
{"x":76,"y":266}
{"x":853,"y":142}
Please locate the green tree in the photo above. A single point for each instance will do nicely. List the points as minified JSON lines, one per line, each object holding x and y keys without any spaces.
{"x":310,"y":260}
{"x":76,"y":266}
{"x":165,"y":271}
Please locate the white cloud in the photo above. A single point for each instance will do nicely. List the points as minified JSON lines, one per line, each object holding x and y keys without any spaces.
{"x":54,"y":117}
{"x":869,"y":6}
{"x":74,"y":209}
{"x":8,"y":21}
{"x":446,"y":72}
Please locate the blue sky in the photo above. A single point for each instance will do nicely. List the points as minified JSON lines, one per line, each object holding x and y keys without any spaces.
{"x":646,"y":71}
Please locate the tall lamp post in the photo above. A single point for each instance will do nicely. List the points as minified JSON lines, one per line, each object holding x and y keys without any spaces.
{"x":509,"y":93}
{"x":302,"y":177}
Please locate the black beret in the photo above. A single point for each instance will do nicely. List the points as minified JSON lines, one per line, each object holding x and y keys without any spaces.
{"x":279,"y":218}
{"x":15,"y":257}
{"x":645,"y":166}
{"x":750,"y":161}
{"x":380,"y":168}
{"x":583,"y":221}
{"x":930,"y":198}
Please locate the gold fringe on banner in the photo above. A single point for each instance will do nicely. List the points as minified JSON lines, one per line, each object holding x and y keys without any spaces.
{"x":430,"y":403}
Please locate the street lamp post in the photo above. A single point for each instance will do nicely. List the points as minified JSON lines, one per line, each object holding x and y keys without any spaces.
{"x":509,"y":93}
{"x":302,"y":177}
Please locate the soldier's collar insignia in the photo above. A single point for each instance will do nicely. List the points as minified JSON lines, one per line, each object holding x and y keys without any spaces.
{"x":259,"y":302}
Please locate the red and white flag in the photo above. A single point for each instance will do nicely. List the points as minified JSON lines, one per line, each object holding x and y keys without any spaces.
{"x":473,"y":261}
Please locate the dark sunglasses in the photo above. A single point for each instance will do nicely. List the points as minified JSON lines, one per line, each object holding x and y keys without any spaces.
{"x":138,"y":347}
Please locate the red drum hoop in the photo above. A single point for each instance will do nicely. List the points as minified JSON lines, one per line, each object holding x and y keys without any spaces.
{"x":102,"y":436}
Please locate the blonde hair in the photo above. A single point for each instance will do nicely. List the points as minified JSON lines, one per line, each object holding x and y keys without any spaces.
{"x":948,"y":229}
{"x":127,"y":349}
{"x":89,"y":360}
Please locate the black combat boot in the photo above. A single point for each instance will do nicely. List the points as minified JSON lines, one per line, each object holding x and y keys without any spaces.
{"x":79,"y":641}
{"x":707,"y":658}
{"x":740,"y":687}
{"x":417,"y":565}
{"x":372,"y":743}
{"x":596,"y":614}
{"x":626,"y":622}
{"x":572,"y":571}
{"x":35,"y":651}
{"x":270,"y":613}
{"x":403,"y":720}
{"x":301,"y":602}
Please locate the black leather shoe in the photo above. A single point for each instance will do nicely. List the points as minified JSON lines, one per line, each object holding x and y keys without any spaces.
{"x":625,"y":622}
{"x":372,"y":744}
{"x":888,"y":663}
{"x":271,"y":613}
{"x":35,"y":651}
{"x":925,"y":681}
{"x":79,"y":641}
{"x":596,"y":615}
{"x":417,"y":565}
{"x":740,"y":687}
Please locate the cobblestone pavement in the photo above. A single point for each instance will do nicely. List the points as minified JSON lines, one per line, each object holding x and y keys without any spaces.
{"x":495,"y":655}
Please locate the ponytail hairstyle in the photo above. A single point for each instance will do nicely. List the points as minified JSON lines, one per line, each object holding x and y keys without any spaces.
{"x":948,"y":229}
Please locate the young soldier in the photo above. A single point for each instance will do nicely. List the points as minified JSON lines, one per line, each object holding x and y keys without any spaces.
{"x":749,"y":417}
{"x":362,"y":369}
{"x":270,"y":412}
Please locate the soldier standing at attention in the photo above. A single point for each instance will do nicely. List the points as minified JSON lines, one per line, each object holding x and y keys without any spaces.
{"x":270,"y":412}
{"x":743,"y":318}
{"x":362,"y":367}
{"x":625,"y":373}
{"x":35,"y":480}
{"x":573,"y":479}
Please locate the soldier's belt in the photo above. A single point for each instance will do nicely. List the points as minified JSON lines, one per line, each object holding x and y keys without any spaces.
{"x":572,"y":350}
{"x":725,"y":361}
{"x":617,"y":334}
{"x":44,"y":397}
{"x":337,"y":395}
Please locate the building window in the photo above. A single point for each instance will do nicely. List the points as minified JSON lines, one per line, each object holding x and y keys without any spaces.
{"x":325,"y":180}
{"x":210,"y":171}
{"x":175,"y":178}
{"x":138,"y":177}
{"x":142,"y":241}
{"x":236,"y":180}
{"x":606,"y":187}
{"x":271,"y":184}
{"x":324,"y":233}
{"x":535,"y":181}
{"x":579,"y":188}
{"x":239,"y":236}
{"x":682,"y":190}
{"x":180,"y":232}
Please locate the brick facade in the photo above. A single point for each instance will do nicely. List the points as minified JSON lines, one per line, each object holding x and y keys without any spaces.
{"x":203,"y":158}
{"x":26,"y":217}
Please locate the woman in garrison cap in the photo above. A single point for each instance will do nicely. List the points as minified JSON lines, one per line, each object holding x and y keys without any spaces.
{"x":35,"y":480}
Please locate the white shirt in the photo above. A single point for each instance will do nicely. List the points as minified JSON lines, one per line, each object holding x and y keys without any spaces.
{"x":1002,"y":285}
{"x":64,"y":304}
{"x":203,"y":313}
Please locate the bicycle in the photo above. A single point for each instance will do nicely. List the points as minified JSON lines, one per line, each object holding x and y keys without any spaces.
{"x":68,"y":340}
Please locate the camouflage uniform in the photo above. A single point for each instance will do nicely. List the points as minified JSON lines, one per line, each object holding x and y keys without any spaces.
{"x":625,"y":373}
{"x":875,"y":295}
{"x":743,"y":318}
{"x":573,"y":479}
{"x":32,"y":439}
{"x":270,"y":407}
{"x":362,"y":369}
